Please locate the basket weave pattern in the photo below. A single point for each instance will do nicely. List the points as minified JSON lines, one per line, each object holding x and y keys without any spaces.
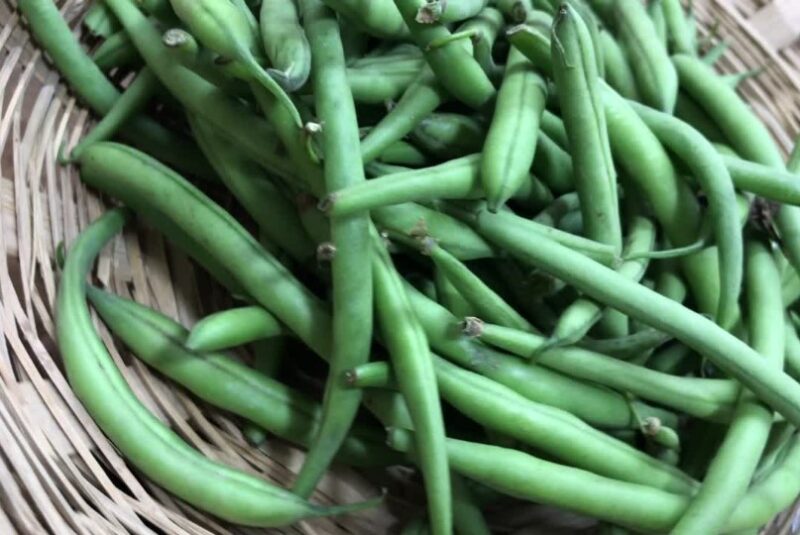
{"x":58,"y":473}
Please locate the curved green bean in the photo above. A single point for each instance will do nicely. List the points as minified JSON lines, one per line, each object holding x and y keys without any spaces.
{"x":150,"y":445}
{"x":227,"y":384}
{"x":708,"y":168}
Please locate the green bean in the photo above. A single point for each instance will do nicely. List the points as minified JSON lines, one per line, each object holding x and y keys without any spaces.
{"x":656,"y":14}
{"x":187,"y":51}
{"x":765,"y":181}
{"x":597,"y":251}
{"x":550,"y":430}
{"x":449,"y":135}
{"x":248,"y":182}
{"x":553,"y":164}
{"x":595,"y":405}
{"x":403,"y":153}
{"x":377,"y":86}
{"x":230,"y":30}
{"x":85,"y":78}
{"x":232,"y":328}
{"x":146,"y":442}
{"x":484,"y":29}
{"x":200,"y":97}
{"x":514,"y":10}
{"x":371,"y":375}
{"x":553,"y":431}
{"x":351,"y":272}
{"x":444,"y":11}
{"x":681,"y":40}
{"x":557,"y":209}
{"x":467,"y":516}
{"x":688,"y":111}
{"x":792,"y":357}
{"x":619,"y":73}
{"x":100,"y":21}
{"x":524,"y":476}
{"x":579,"y":94}
{"x":636,"y":506}
{"x":448,"y":296}
{"x":630,"y":346}
{"x":655,"y":75}
{"x":703,"y":398}
{"x":532,"y":39}
{"x":421,"y":98}
{"x":415,"y":221}
{"x":454,"y":65}
{"x":576,"y":321}
{"x":225,"y":383}
{"x":117,"y":51}
{"x":379,"y":18}
{"x":510,"y":142}
{"x":456,"y":179}
{"x":732,"y":468}
{"x":489,"y":305}
{"x":412,"y":361}
{"x":146,"y":185}
{"x":605,"y":285}
{"x":716,"y":52}
{"x":708,"y":168}
{"x":285,"y":43}
{"x":129,"y":105}
{"x":729,"y":112}
{"x":553,"y":127}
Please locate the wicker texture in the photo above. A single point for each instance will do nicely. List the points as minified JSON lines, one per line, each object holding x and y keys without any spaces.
{"x":58,"y":473}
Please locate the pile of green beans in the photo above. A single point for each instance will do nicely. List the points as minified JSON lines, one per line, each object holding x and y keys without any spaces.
{"x":543,"y":250}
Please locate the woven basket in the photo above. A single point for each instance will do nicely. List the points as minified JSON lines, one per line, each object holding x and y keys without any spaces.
{"x":58,"y":472}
